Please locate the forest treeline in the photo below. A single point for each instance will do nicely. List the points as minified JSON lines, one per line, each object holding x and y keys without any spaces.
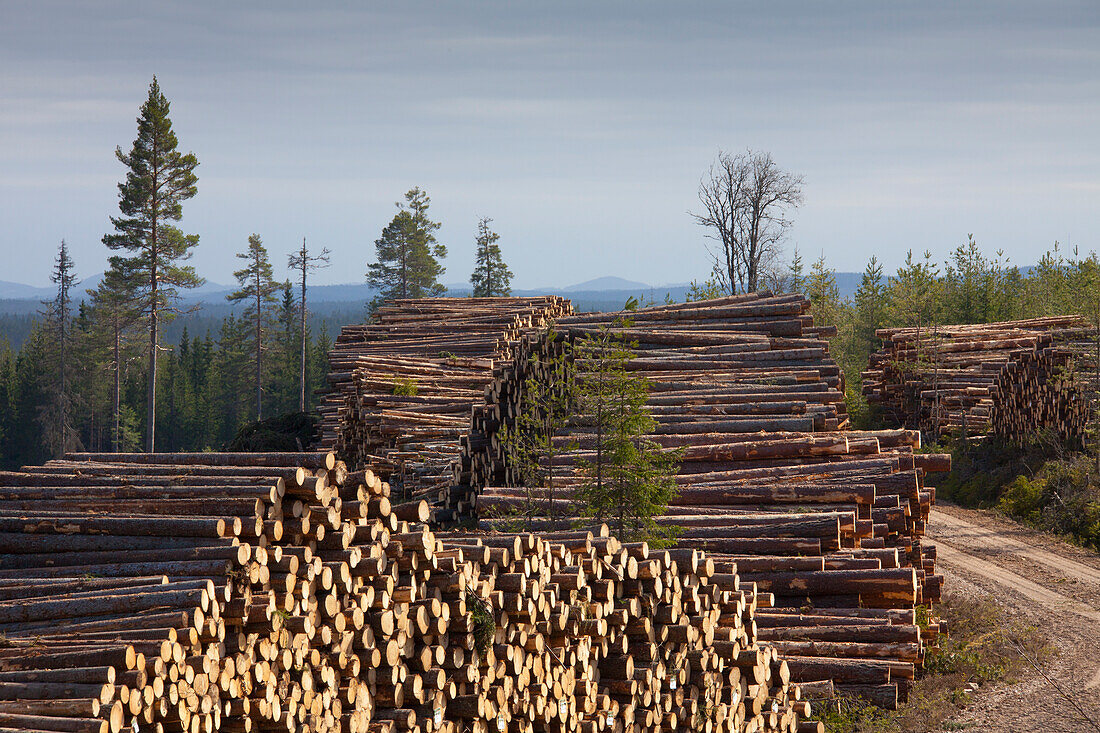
{"x":971,"y":286}
{"x":205,"y":390}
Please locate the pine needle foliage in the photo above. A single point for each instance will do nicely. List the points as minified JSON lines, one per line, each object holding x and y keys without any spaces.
{"x":407,"y":254}
{"x":630,"y":479}
{"x":491,"y":277}
{"x":159,"y":178}
{"x":257,"y":291}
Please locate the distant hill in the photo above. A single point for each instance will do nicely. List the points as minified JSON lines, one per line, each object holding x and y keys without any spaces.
{"x":14,"y":291}
{"x":606,"y":283}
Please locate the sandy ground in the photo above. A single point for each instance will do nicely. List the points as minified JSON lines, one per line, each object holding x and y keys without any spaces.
{"x":1045,"y":583}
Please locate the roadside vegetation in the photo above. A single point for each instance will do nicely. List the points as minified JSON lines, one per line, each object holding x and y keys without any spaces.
{"x":984,"y":647}
{"x":1042,"y":484}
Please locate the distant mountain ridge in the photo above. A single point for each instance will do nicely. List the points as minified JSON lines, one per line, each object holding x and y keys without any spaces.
{"x":601,"y":289}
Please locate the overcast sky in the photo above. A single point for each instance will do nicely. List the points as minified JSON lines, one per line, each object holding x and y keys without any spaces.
{"x":581,"y":128}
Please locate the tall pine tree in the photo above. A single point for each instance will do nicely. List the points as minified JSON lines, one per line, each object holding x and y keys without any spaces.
{"x":258,"y":290}
{"x":407,"y":253}
{"x":159,"y":179}
{"x":491,"y":276}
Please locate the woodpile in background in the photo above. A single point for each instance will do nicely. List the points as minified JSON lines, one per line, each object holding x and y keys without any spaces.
{"x":827,"y":522}
{"x":401,"y":389}
{"x":1012,"y":379}
{"x":248,"y":592}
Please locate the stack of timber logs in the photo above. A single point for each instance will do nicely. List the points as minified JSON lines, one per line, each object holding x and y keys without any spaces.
{"x":402,"y":388}
{"x":248,"y":592}
{"x":1011,"y":379}
{"x":828,"y":523}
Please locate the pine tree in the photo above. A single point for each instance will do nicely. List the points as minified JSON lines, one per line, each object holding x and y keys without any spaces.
{"x":630,"y":479}
{"x":824,"y":295}
{"x":709,"y":289}
{"x":870,"y":307}
{"x":914,"y":292}
{"x":407,"y":253}
{"x":303,"y":262}
{"x":159,"y":179}
{"x":113,"y":316}
{"x":55,"y":416}
{"x":258,"y":290}
{"x":796,"y":274}
{"x":491,"y":277}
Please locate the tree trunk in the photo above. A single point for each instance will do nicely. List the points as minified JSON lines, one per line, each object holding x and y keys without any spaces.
{"x":151,"y":414}
{"x":302,"y":325}
{"x":259,"y":343}
{"x":118,"y":385}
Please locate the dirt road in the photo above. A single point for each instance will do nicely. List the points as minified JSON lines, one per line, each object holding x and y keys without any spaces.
{"x":1045,"y":583}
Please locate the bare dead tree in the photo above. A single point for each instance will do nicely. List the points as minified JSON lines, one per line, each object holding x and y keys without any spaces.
{"x":746,"y":199}
{"x":303,"y":262}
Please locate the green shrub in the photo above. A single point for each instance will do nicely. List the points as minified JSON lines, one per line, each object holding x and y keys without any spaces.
{"x":404,"y":387}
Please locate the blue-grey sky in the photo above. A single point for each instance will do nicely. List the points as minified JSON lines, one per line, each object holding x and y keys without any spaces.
{"x":582,"y":128}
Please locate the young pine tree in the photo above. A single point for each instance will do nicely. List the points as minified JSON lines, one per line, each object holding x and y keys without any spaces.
{"x":159,"y":179}
{"x":257,"y":290}
{"x":870,"y":308}
{"x":407,"y":253}
{"x":304,"y":262}
{"x":824,"y":295}
{"x":630,"y":479}
{"x":491,"y":277}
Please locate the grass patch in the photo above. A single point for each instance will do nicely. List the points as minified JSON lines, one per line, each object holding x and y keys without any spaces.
{"x":984,"y":647}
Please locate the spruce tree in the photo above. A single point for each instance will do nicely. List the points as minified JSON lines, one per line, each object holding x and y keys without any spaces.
{"x":870,"y":308}
{"x":55,"y":416}
{"x":258,"y":290}
{"x":303,"y":262}
{"x":491,"y":276}
{"x":407,"y":253}
{"x":284,"y":380}
{"x":159,"y":178}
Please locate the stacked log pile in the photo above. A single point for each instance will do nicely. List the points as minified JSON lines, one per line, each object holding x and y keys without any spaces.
{"x":401,"y":389}
{"x":241,"y":592}
{"x":827,"y":522}
{"x":1011,"y":378}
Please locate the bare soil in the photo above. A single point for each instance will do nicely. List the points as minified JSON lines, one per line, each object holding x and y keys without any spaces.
{"x":1043,"y":582}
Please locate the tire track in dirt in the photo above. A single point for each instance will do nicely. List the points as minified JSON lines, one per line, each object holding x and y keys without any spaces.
{"x":1007,"y":579}
{"x":977,"y":549}
{"x":991,"y":539}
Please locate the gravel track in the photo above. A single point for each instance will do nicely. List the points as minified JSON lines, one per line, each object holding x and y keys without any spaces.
{"x":1043,"y":582}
